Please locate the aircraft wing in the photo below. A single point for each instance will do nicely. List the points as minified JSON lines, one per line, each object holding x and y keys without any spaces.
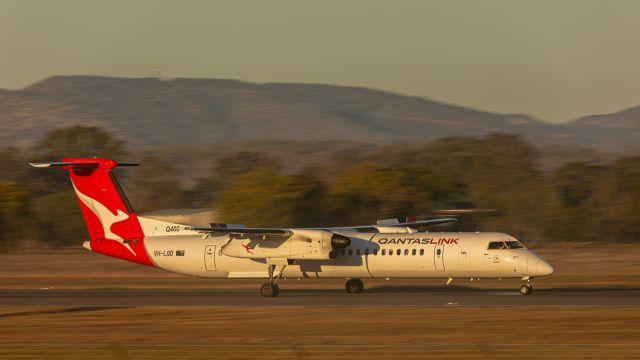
{"x":243,"y":230}
{"x":296,"y":244}
{"x":285,"y":233}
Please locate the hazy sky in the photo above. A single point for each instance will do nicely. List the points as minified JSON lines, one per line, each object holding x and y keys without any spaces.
{"x":556,"y":60}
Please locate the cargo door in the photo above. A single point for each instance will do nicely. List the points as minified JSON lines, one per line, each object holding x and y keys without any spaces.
{"x":210,"y":257}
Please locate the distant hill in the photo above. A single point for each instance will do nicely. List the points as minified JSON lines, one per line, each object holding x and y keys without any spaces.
{"x":616,"y":131}
{"x":149,"y":111}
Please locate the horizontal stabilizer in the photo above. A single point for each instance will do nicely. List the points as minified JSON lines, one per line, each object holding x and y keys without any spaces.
{"x":77,"y":164}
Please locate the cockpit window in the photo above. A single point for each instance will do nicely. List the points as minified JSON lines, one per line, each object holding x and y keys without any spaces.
{"x":514,"y":245}
{"x":501,"y":245}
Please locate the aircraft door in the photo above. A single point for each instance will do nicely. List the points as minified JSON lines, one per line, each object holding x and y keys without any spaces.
{"x":438,"y":257}
{"x":210,"y":257}
{"x":464,"y":257}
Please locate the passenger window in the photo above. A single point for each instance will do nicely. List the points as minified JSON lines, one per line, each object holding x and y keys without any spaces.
{"x":438,"y":252}
{"x":390,"y":252}
{"x":421,"y":252}
{"x":375,"y":252}
{"x":406,"y":252}
{"x":413,"y":252}
{"x":350,"y":251}
{"x":343,"y":251}
{"x":384,"y":252}
{"x":398,"y":252}
{"x":358,"y":252}
{"x":366,"y":251}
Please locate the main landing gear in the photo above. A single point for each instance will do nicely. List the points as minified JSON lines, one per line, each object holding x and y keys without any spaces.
{"x":354,"y":286}
{"x":271,"y":289}
{"x":527,"y":288}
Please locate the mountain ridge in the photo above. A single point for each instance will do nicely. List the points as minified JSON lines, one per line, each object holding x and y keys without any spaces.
{"x":151,"y":111}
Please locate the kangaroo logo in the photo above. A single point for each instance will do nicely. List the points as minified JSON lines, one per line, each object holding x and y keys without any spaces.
{"x":106,"y":217}
{"x":248,"y":248}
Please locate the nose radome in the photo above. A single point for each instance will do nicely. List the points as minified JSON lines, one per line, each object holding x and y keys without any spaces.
{"x":543,"y":268}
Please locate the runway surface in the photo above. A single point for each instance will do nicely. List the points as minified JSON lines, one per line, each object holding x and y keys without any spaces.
{"x":376,"y":297}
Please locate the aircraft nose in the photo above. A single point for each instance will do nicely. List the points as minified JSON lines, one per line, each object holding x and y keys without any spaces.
{"x":538,"y":267}
{"x":543,"y":268}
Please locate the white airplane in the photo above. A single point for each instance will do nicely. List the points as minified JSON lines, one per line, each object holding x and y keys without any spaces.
{"x":389,"y":249}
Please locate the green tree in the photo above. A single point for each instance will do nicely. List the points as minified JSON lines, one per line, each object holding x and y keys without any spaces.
{"x":499,"y":171}
{"x":619,"y":201}
{"x":73,"y":141}
{"x":264,"y":197}
{"x":13,"y":166}
{"x":574,"y":213}
{"x":58,"y":219}
{"x":13,"y":213}
{"x":203,"y":191}
{"x":156,"y":185}
{"x":368,"y":192}
{"x":79,"y":141}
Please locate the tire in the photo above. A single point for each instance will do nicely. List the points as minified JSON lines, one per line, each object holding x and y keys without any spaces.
{"x":354,"y":286}
{"x":348,"y":286}
{"x":526,"y":290}
{"x":269,"y":290}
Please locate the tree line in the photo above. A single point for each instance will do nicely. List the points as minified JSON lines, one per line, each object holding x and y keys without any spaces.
{"x":578,"y":201}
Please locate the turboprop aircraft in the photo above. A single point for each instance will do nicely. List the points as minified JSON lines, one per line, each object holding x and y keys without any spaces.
{"x":389,"y":249}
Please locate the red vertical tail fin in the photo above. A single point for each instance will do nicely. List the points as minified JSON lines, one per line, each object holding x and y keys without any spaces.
{"x":113,"y":225}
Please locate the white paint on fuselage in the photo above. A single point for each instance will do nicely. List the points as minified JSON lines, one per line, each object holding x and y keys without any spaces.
{"x":413,"y":255}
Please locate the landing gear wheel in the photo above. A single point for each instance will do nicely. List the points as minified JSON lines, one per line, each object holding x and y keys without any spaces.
{"x":526,"y":289}
{"x":354,"y":286}
{"x":269,"y":290}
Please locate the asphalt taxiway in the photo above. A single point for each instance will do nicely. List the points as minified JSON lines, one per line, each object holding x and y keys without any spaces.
{"x":374,"y":297}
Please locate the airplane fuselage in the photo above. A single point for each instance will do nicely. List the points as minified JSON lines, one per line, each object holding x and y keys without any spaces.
{"x":370,"y":255}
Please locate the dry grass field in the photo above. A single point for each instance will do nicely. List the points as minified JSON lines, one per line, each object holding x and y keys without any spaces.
{"x":319,"y":333}
{"x":313,"y":332}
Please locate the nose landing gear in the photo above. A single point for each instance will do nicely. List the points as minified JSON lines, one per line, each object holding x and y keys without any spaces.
{"x":527,"y":288}
{"x":354,"y":286}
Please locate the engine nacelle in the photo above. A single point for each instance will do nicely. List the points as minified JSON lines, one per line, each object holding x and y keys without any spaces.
{"x":340,"y":241}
